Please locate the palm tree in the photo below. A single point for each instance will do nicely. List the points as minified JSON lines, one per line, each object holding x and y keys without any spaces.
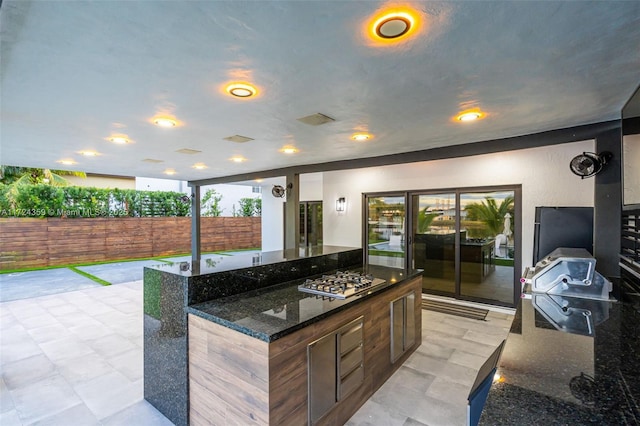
{"x":12,"y":175}
{"x":491,"y":213}
{"x":15,"y":177}
{"x":425,"y":218}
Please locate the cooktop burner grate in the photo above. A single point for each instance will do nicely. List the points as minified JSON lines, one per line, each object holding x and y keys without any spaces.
{"x":340,"y":285}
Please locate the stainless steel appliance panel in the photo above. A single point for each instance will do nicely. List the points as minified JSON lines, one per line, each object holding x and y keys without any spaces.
{"x":397,"y":328}
{"x":350,"y":360}
{"x":350,"y":357}
{"x":351,"y":382}
{"x":568,"y":271}
{"x":403,"y":325}
{"x":322,"y":377}
{"x":351,"y":338}
{"x":410,"y":321}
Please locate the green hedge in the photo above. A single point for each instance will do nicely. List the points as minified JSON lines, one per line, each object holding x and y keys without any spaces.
{"x":74,"y":201}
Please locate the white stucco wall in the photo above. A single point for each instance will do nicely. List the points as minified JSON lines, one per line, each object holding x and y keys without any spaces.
{"x":273,"y":209}
{"x":272,"y":221}
{"x":311,"y":187}
{"x":100,"y":181}
{"x":543,"y":173}
{"x":153,"y":184}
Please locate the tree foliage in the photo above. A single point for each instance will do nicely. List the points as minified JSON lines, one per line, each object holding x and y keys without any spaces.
{"x":425,"y":218}
{"x":210,"y":204}
{"x":249,"y":207}
{"x":44,"y":200}
{"x":490,"y":213}
{"x":12,"y":175}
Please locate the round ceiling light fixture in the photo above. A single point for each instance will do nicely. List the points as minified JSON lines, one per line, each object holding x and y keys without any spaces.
{"x":66,"y":162}
{"x":165,"y":122}
{"x":393,"y":25}
{"x":238,"y":159}
{"x":470,"y":115}
{"x":289,"y":150}
{"x":119,"y":139}
{"x":170,"y":172}
{"x":241,"y":90}
{"x":361,"y":137}
{"x":89,"y":153}
{"x":199,"y":166}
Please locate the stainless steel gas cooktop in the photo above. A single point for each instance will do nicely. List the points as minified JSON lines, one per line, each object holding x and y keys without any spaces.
{"x":340,"y":285}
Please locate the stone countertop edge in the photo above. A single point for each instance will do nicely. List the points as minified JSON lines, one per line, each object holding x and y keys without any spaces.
{"x":226,"y":263}
{"x":269,"y":338}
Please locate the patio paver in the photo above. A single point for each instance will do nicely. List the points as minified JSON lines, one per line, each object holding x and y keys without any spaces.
{"x":55,"y":370}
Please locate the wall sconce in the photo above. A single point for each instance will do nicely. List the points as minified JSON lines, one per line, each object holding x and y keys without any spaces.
{"x":341,"y":203}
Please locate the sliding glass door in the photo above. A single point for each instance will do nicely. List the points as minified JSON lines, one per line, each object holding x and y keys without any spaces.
{"x":434,"y":240}
{"x":385,"y":240}
{"x":464,"y":239}
{"x":487,"y":250}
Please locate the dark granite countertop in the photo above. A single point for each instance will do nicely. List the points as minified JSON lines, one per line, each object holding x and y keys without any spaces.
{"x":214,"y":263}
{"x":573,"y":366}
{"x":273,"y":312}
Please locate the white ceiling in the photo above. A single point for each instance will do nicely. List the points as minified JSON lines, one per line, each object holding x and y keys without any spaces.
{"x":75,"y":72}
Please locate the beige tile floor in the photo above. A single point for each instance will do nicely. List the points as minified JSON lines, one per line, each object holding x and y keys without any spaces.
{"x":432,"y":386}
{"x":75,"y":358}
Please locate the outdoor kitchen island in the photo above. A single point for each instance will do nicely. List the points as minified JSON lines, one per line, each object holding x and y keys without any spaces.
{"x":263,"y":352}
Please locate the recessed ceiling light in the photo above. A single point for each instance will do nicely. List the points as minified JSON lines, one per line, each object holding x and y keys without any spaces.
{"x":471,"y":115}
{"x":289,"y":150}
{"x":170,"y":172}
{"x":166,"y":122}
{"x":152,"y":160}
{"x":241,"y":90}
{"x":119,"y":139}
{"x":361,"y":137}
{"x":393,"y":25}
{"x":199,"y":166}
{"x":66,"y":162}
{"x":259,"y":180}
{"x":238,"y":159}
{"x":89,"y":153}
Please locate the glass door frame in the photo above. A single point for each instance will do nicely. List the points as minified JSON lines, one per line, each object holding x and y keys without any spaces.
{"x":409,"y":242}
{"x":365,"y":221}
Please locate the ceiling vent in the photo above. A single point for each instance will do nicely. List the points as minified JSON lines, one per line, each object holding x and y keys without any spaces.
{"x":316,"y":119}
{"x":152,"y":160}
{"x":238,"y":139}
{"x":188,"y":151}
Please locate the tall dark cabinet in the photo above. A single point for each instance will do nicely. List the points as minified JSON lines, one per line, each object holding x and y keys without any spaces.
{"x":562,"y":227}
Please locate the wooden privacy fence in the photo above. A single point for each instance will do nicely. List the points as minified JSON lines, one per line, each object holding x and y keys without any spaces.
{"x":28,"y":242}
